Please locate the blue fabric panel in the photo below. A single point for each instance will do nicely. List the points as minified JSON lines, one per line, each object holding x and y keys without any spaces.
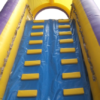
{"x":50,"y":84}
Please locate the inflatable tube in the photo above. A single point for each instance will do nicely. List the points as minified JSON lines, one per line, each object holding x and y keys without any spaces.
{"x":6,"y":37}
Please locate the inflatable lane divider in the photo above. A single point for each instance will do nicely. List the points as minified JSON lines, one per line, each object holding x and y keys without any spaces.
{"x":71,"y":75}
{"x":63,"y":21}
{"x":35,"y":42}
{"x":65,"y":33}
{"x":37,"y":34}
{"x":63,"y":26}
{"x":74,"y":91}
{"x":27,"y":93}
{"x":38,"y":21}
{"x":66,"y":41}
{"x":30,"y":76}
{"x":38,"y":27}
{"x":69,"y":61}
{"x":67,"y":50}
{"x":34,"y":51}
{"x":32,"y":63}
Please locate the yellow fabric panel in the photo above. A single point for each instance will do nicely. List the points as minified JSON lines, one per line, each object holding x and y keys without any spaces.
{"x":36,"y":3}
{"x":37,"y":34}
{"x":30,"y":76}
{"x":38,"y":21}
{"x":65,"y":33}
{"x":38,"y":27}
{"x":71,"y":75}
{"x":8,"y":32}
{"x":92,"y":46}
{"x":27,"y":93}
{"x":37,"y":6}
{"x":34,"y":51}
{"x":51,"y":1}
{"x":91,"y":42}
{"x":35,"y":42}
{"x":67,"y":50}
{"x":66,"y":41}
{"x":48,"y":5}
{"x":63,"y":26}
{"x":94,"y":85}
{"x":32,"y":63}
{"x":69,"y":61}
{"x":66,"y":3}
{"x":63,"y":21}
{"x":12,"y":56}
{"x":74,"y":91}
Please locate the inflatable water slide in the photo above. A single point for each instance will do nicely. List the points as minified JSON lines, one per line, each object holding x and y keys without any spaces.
{"x":50,"y":59}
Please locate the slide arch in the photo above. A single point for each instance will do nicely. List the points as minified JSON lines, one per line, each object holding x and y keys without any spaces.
{"x":54,"y":5}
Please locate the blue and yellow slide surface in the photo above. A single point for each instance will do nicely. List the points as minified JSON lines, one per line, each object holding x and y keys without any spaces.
{"x":49,"y":59}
